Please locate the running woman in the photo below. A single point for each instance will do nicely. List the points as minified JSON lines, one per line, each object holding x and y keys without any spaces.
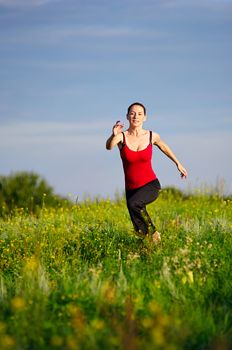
{"x":141,"y":183}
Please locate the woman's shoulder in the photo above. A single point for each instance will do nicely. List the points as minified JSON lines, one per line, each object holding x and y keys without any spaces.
{"x":121,"y":140}
{"x":120,"y":137}
{"x":155,"y":137}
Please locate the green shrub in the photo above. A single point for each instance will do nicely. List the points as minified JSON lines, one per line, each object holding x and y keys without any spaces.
{"x":25,"y":190}
{"x":168,"y":192}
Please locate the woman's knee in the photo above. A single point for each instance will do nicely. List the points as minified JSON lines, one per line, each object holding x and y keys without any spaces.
{"x":134,"y":205}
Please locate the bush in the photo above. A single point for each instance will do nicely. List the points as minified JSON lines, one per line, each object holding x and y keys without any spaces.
{"x":25,"y":190}
{"x":168,"y":192}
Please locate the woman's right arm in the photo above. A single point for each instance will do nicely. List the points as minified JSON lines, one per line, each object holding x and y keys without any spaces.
{"x":116,"y":136}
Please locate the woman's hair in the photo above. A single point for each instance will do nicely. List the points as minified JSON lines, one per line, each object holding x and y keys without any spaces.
{"x":137,"y":104}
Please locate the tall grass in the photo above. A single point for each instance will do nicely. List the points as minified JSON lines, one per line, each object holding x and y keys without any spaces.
{"x":78,"y":277}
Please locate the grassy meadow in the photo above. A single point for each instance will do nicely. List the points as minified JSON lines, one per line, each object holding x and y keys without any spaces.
{"x":76,"y":277}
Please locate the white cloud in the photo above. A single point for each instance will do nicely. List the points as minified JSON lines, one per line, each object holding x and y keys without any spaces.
{"x":16,"y":135}
{"x":194,"y":3}
{"x":65,"y":35}
{"x":24,"y":3}
{"x":101,"y":31}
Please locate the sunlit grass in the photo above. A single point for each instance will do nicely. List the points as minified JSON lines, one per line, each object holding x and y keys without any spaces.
{"x":78,"y":278}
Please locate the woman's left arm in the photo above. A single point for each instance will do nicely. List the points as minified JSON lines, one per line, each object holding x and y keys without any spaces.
{"x":156,"y":140}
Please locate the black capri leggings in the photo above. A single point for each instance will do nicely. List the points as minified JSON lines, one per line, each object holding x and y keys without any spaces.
{"x":136,"y":203}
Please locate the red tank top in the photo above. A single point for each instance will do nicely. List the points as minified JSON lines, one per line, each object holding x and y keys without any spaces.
{"x":137,"y":165}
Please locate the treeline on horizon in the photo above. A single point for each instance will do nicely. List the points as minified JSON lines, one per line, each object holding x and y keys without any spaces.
{"x":31,"y":192}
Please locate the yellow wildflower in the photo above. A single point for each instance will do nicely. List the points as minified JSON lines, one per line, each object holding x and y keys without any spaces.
{"x":18,"y":304}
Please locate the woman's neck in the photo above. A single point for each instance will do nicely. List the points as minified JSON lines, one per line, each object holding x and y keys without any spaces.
{"x":135,"y":131}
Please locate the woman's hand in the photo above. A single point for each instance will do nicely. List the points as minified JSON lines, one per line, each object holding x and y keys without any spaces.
{"x":116,"y":136}
{"x":117,"y":128}
{"x":182,"y":170}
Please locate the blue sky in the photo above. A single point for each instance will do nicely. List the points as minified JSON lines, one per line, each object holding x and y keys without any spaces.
{"x":69,"y":69}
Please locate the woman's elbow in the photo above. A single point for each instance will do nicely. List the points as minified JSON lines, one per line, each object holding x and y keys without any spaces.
{"x":108,"y":147}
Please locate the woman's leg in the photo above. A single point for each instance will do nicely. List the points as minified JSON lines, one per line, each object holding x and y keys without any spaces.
{"x":136,"y":203}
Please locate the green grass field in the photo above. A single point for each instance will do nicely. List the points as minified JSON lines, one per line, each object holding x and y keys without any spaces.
{"x":78,"y":278}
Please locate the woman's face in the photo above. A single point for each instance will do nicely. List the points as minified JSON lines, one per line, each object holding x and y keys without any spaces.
{"x":136,"y":116}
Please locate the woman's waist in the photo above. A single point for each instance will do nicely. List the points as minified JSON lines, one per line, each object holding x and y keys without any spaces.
{"x":155,"y":183}
{"x":136,"y":180}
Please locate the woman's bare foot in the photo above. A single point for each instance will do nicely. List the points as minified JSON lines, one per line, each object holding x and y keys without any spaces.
{"x":156,"y":237}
